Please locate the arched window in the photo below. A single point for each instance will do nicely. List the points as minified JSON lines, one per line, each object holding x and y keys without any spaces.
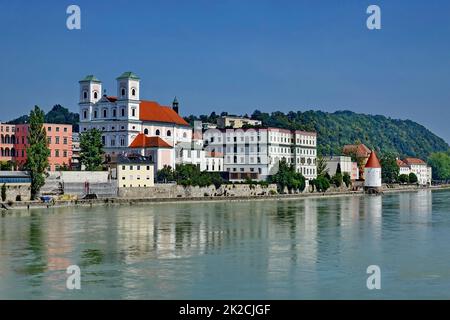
{"x":123,"y":92}
{"x":105,"y":113}
{"x":85,"y":114}
{"x":169,"y":133}
{"x":158,"y":132}
{"x":145,"y":131}
{"x":13,"y":139}
{"x":133,"y":92}
{"x":3,"y":139}
{"x":123,"y":112}
{"x":7,"y":140}
{"x":2,"y":152}
{"x":185,"y":135}
{"x":114,"y":113}
{"x":84,"y":95}
{"x":13,"y":152}
{"x":6,"y":152}
{"x":95,"y":95}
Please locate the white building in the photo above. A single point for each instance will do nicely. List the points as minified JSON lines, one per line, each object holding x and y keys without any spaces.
{"x":236,"y":122}
{"x":346,"y":164}
{"x":418,"y":167}
{"x":191,"y":153}
{"x":123,"y":117}
{"x":256,"y":152}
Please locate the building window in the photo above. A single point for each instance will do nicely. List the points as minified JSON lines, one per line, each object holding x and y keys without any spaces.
{"x":65,"y":154}
{"x":85,"y":114}
{"x":49,"y":140}
{"x":57,"y":140}
{"x":104,"y":113}
{"x":123,"y":112}
{"x":95,"y":114}
{"x":123,"y":92}
{"x":84,"y":95}
{"x":169,"y":133}
{"x":103,"y":140}
{"x":49,"y":129}
{"x":114,"y":113}
{"x":158,"y":132}
{"x":133,"y":92}
{"x":65,"y":141}
{"x":133,"y":112}
{"x":95,"y":95}
{"x":145,"y":131}
{"x":57,"y":153}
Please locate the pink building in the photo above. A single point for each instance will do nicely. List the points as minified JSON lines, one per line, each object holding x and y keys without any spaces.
{"x":14,"y":143}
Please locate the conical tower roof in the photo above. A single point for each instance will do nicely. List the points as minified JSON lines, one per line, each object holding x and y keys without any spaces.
{"x":373,"y":161}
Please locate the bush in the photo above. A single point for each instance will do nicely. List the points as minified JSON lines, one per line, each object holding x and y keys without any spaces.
{"x":403,"y":178}
{"x":413,"y":178}
{"x":321,"y":184}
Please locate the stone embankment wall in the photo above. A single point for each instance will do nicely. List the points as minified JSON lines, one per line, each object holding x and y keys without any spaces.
{"x":17,"y":193}
{"x":169,"y":191}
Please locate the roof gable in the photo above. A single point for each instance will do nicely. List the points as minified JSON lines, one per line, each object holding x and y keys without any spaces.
{"x":142,"y":141}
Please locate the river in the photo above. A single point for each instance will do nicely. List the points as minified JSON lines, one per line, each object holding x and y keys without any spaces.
{"x":288,"y":249}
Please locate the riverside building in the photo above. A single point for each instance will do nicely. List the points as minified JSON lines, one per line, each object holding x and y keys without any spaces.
{"x":255,"y":153}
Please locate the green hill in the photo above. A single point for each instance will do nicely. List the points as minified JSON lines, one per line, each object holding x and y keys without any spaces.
{"x":402,"y":137}
{"x":58,"y":114}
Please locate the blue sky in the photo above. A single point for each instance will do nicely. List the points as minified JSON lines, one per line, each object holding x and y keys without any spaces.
{"x":234,"y":56}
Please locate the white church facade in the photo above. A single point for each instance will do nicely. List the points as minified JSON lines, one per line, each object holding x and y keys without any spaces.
{"x":125,"y":118}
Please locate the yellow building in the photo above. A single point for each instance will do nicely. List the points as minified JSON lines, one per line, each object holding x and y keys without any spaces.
{"x":132,"y":171}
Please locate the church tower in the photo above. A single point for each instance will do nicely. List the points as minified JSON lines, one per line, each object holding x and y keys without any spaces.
{"x":175,"y":105}
{"x":90,"y":93}
{"x":128,"y":95}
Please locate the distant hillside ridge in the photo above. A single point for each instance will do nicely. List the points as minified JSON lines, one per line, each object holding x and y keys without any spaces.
{"x":58,"y":114}
{"x":404,"y":138}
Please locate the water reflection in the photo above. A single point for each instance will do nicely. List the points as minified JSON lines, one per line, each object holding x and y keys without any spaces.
{"x":304,"y":248}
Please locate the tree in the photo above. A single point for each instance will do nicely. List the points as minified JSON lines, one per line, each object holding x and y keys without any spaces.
{"x":321,"y":166}
{"x":37,"y":152}
{"x":287,"y":177}
{"x":337,"y":179}
{"x":165,"y":175}
{"x":347,"y":179}
{"x":413,"y":178}
{"x":440,"y":164}
{"x":4,"y":192}
{"x":390,"y":169}
{"x":91,"y":153}
{"x":321,"y":184}
{"x":403,"y":178}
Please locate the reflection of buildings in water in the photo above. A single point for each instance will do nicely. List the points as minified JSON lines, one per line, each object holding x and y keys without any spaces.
{"x":416,"y":206}
{"x":293,"y":244}
{"x":373,"y":207}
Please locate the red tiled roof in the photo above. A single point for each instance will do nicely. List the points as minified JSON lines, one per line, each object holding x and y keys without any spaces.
{"x":142,"y":141}
{"x":360,"y":150}
{"x":153,"y":111}
{"x":373,"y":161}
{"x":400,"y":163}
{"x":111,"y":99}
{"x":411,"y":161}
